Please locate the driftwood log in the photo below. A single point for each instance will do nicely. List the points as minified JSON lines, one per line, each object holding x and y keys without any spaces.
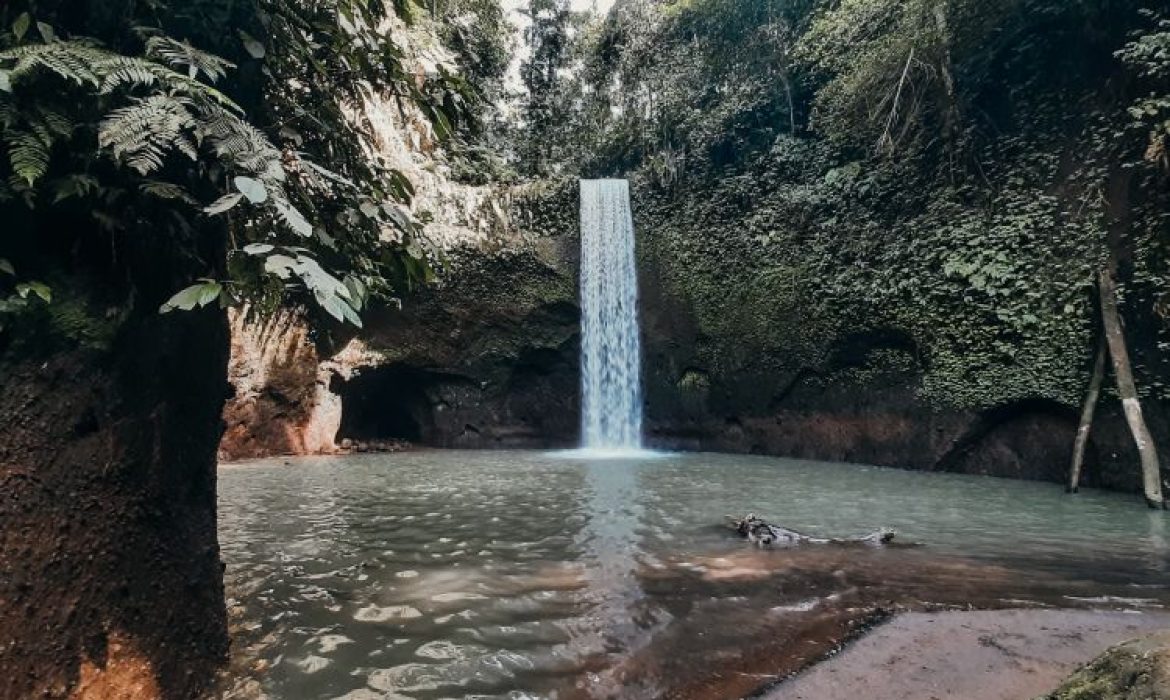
{"x":764,"y":534}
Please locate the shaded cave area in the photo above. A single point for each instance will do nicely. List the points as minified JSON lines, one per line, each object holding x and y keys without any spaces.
{"x":531,"y":403}
{"x":386,"y":404}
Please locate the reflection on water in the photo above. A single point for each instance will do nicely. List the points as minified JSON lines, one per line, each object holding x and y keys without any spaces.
{"x":524,"y":575}
{"x":607,"y":541}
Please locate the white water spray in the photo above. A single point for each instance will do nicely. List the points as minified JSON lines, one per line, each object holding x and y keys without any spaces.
{"x":611,"y":360}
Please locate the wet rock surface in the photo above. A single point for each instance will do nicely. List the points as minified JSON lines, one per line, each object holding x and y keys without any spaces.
{"x":986,"y":655}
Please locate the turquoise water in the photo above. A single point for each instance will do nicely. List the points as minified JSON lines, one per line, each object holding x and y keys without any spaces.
{"x":440,"y":574}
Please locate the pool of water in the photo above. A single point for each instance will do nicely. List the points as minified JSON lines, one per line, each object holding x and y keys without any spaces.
{"x":438,"y":574}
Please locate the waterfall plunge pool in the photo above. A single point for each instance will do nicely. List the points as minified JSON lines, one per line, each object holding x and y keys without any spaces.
{"x":438,"y":574}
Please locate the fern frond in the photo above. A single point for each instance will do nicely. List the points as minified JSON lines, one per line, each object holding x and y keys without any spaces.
{"x":180,"y":54}
{"x":202,"y":92}
{"x":143,"y":133}
{"x":28,"y":154}
{"x":54,"y":122}
{"x":237,"y":141}
{"x":167,"y":190}
{"x":74,"y":185}
{"x":84,"y":63}
{"x":8,"y":113}
{"x":117,"y":71}
{"x":289,"y":215}
{"x":72,"y":60}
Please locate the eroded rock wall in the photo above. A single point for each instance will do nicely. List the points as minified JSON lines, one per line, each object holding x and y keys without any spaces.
{"x":280,"y":402}
{"x":487,"y":357}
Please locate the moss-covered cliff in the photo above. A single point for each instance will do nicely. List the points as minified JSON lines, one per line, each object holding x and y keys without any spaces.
{"x":915,"y":289}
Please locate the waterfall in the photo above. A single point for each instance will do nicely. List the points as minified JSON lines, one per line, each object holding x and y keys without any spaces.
{"x":611,"y":361}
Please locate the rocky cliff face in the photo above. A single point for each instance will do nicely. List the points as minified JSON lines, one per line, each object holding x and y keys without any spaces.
{"x":280,"y":402}
{"x":488,"y":358}
{"x":459,"y":364}
{"x":485,"y":358}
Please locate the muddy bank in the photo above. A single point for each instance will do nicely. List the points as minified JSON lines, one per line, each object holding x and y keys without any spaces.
{"x":984,"y":655}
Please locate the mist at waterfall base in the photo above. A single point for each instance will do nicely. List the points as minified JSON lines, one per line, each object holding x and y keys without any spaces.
{"x":611,"y":357}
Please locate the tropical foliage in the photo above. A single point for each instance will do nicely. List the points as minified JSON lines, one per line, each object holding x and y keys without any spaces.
{"x":949,"y":175}
{"x":121,"y":114}
{"x":544,"y":110}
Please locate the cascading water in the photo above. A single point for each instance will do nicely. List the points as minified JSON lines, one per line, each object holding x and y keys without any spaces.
{"x":611,"y":361}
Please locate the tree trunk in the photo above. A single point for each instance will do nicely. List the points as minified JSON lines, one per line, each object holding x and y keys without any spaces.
{"x":110,"y":578}
{"x":111,"y":585}
{"x":1090,"y":407}
{"x":1123,"y":372}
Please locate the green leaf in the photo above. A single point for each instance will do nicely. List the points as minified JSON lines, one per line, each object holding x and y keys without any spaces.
{"x":21,"y":25}
{"x":46,"y":31}
{"x":357,"y":290}
{"x":351,"y":314}
{"x":223,"y":204}
{"x":399,"y":216}
{"x":37,"y":288}
{"x":259,"y":248}
{"x":6,"y":266}
{"x":327,"y":240}
{"x":253,"y":189}
{"x":254,"y":48}
{"x":5,"y":81}
{"x":210,"y":293}
{"x":200,"y":294}
{"x":275,"y":171}
{"x":295,"y":220}
{"x":337,"y":307}
{"x":280,"y":265}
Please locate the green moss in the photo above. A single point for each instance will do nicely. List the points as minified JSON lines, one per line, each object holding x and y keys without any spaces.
{"x":785,"y":259}
{"x":694,"y":383}
{"x":547,"y":208}
{"x":509,"y":280}
{"x":1137,"y":670}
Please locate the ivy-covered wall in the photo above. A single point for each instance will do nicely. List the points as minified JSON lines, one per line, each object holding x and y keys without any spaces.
{"x":787,"y":260}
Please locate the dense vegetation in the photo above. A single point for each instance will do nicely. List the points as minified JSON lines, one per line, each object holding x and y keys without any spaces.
{"x":954,"y":173}
{"x":183,"y":122}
